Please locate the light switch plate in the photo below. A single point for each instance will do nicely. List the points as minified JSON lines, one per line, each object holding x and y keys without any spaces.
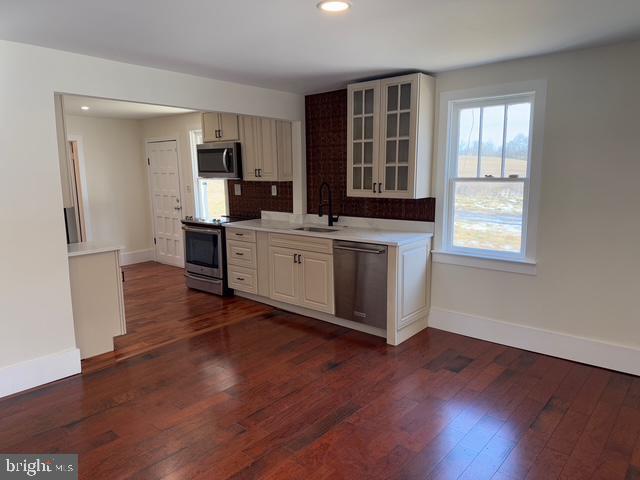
{"x":237,"y":189}
{"x":274,"y":191}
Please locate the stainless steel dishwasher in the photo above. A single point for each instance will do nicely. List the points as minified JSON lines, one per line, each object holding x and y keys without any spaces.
{"x":360,"y":282}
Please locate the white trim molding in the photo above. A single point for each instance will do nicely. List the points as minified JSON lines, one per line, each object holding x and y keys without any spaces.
{"x":614,"y":356}
{"x":448,"y":100}
{"x":137,"y":256}
{"x":525,"y":267}
{"x":38,"y":371}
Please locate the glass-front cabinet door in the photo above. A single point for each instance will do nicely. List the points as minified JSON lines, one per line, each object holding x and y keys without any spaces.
{"x":363,"y":138}
{"x":397,"y":162}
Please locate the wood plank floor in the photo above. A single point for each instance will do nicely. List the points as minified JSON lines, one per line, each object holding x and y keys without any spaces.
{"x":253,"y":392}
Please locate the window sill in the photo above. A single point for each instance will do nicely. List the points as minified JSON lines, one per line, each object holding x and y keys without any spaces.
{"x":525,"y":267}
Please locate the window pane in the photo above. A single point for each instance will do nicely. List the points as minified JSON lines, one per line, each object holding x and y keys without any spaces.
{"x":390,"y":178}
{"x":488,"y":215}
{"x":491,"y":146}
{"x":403,"y":129}
{"x":403,"y":151}
{"x":392,"y":98}
{"x":368,"y":153}
{"x":468,"y":140}
{"x":392,"y":125}
{"x":368,"y":101}
{"x":405,"y":96}
{"x":517,"y":144}
{"x":403,"y":178}
{"x":357,"y":128}
{"x":357,"y":178}
{"x":391,"y":151}
{"x":368,"y":128}
{"x":367,"y":182}
{"x":213,"y":198}
{"x":357,"y":102}
{"x":357,"y":153}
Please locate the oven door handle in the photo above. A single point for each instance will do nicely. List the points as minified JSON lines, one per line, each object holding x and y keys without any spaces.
{"x":210,"y":231}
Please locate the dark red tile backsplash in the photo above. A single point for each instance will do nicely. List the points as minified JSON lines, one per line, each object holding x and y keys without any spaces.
{"x":256,"y":196}
{"x":326,"y":124}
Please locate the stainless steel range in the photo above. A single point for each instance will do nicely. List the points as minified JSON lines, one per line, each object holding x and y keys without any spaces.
{"x":205,"y":254}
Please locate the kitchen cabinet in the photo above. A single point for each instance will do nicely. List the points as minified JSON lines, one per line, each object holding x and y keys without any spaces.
{"x":295,"y":272}
{"x":97,"y":297}
{"x":300,"y":274}
{"x":390,"y":135}
{"x":219,"y":127}
{"x":266,"y":149}
{"x":242,"y":262}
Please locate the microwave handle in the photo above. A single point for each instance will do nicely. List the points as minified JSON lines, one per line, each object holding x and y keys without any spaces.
{"x":224,"y":160}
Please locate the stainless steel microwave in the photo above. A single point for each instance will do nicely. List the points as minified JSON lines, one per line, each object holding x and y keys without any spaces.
{"x":219,"y":160}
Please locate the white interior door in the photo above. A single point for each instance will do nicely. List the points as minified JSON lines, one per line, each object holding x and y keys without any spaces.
{"x":167,"y":205}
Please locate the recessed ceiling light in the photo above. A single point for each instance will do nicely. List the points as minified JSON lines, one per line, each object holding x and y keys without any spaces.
{"x":84,"y":107}
{"x":334,"y":5}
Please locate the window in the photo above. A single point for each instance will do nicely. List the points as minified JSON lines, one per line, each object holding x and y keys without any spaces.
{"x":487,"y":192}
{"x":210,"y":193}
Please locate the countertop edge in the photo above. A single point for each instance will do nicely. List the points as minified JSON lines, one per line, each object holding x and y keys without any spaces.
{"x":91,"y":249}
{"x":410,"y":236}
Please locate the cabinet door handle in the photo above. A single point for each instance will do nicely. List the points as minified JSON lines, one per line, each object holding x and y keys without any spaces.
{"x":380,"y":188}
{"x":374,"y":187}
{"x":295,"y":258}
{"x":240,"y":254}
{"x":255,"y":172}
{"x":299,"y":258}
{"x":240,"y":279}
{"x":259,"y":172}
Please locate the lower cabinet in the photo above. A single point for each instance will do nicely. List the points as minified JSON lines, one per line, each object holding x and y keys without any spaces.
{"x":302,"y":278}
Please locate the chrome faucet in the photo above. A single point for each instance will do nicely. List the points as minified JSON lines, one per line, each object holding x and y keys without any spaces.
{"x":329,"y":204}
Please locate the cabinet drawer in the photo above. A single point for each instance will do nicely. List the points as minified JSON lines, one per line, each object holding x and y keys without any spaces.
{"x":243,"y":279}
{"x":241,"y":234}
{"x":242,"y":254}
{"x":298,"y":242}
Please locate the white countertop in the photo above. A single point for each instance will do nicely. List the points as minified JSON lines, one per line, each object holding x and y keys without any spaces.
{"x":87,"y":248}
{"x":348,"y":233}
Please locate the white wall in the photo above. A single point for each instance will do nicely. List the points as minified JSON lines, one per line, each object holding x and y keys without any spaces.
{"x":588,"y":274}
{"x":177,"y":127}
{"x":116,"y":180}
{"x":35,"y":301}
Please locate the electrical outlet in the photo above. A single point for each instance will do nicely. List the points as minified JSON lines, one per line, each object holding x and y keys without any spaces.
{"x":274,"y":191}
{"x":237,"y":189}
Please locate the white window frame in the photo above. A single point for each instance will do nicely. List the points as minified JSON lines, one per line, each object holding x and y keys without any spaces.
{"x":450,"y":104}
{"x":197,"y":197}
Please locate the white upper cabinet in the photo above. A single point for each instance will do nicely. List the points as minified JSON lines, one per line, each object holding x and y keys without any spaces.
{"x":363,"y":133}
{"x":390,"y":133}
{"x":219,"y":127}
{"x":266,"y":149}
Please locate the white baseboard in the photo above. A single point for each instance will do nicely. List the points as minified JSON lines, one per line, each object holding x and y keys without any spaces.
{"x":584,"y":350}
{"x":137,"y":256}
{"x":38,"y":371}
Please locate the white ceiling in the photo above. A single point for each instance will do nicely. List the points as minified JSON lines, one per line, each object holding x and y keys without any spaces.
{"x":100,"y":107}
{"x":290,"y":45}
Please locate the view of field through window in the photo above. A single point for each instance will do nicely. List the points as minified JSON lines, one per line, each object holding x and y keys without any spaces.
{"x":491,"y":168}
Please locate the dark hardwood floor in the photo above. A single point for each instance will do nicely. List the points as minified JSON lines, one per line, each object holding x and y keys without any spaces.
{"x":234,"y":389}
{"x":160,"y":309}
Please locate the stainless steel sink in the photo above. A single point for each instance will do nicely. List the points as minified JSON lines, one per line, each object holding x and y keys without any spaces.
{"x":316,"y":229}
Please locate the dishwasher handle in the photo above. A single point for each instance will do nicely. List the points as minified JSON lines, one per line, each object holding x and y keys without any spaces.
{"x":362,"y":250}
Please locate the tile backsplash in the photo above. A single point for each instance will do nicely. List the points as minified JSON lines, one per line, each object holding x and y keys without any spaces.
{"x":326,"y":129}
{"x":256,"y":196}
